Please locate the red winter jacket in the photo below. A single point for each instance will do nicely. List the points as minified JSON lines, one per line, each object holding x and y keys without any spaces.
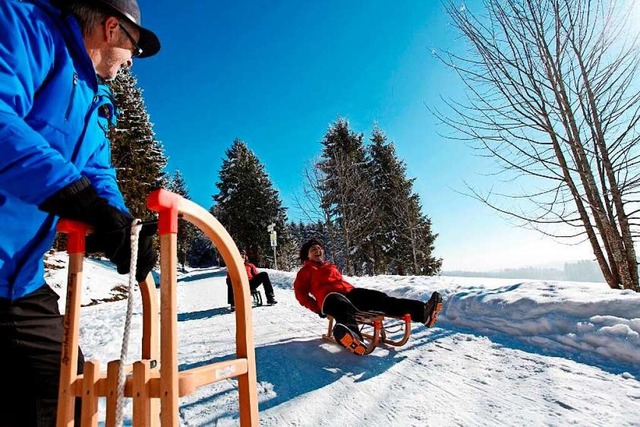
{"x":252,"y":271}
{"x":317,"y":280}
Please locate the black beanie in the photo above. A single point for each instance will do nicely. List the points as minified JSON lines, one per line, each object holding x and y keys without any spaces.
{"x":304,"y":250}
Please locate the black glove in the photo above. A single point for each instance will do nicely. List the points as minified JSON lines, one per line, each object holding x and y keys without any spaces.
{"x":79,"y":201}
{"x":322,"y":316}
{"x":147,"y":257}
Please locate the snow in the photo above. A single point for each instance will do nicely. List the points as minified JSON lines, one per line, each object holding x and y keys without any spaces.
{"x":504,"y":352}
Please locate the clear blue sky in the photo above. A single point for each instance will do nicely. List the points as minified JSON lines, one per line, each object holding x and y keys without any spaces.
{"x":276,"y":74}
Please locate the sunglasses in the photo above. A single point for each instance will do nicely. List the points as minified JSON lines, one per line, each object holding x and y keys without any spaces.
{"x":137,"y":50}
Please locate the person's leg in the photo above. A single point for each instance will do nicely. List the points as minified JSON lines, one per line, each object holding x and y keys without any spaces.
{"x":371,"y":300}
{"x":338,"y":306}
{"x":38,"y":337}
{"x":15,"y":408}
{"x":262,"y":278}
{"x":345,"y":331}
{"x":230,"y":300}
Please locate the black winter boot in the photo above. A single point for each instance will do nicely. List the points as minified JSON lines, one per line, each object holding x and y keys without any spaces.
{"x":431,"y":309}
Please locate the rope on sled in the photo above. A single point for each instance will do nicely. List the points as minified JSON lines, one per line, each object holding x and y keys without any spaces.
{"x":136,"y":225}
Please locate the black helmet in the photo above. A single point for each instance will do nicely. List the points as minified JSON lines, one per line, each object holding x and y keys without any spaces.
{"x":129,"y":9}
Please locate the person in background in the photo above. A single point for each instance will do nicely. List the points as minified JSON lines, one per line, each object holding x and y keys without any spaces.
{"x":55,"y":110}
{"x":320,"y":287}
{"x":255,"y":279}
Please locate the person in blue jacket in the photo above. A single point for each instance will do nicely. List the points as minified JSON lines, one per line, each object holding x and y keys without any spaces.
{"x":55,"y":110}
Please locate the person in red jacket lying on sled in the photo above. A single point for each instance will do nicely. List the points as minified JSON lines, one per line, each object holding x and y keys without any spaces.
{"x":320,"y":287}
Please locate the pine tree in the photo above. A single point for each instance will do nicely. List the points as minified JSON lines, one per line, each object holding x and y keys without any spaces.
{"x":402,"y":242}
{"x":186,"y":230}
{"x":136,"y":154}
{"x":247,"y":204}
{"x":346,"y":192}
{"x":201,"y":253}
{"x":390,"y":188}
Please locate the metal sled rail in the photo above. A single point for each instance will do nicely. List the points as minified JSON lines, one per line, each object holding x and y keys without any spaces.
{"x":154,"y":383}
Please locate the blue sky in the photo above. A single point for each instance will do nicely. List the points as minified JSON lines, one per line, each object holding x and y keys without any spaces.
{"x":276,"y":74}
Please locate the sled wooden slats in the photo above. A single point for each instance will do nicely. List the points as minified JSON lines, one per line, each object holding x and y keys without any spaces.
{"x":379,"y":333}
{"x":112,"y":391}
{"x":194,"y":378}
{"x":144,"y":409}
{"x":89,"y":396}
{"x":154,"y":383}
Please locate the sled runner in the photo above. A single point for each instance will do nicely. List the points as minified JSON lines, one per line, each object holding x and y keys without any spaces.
{"x":257,"y":297}
{"x":376,"y":328}
{"x":154,"y":383}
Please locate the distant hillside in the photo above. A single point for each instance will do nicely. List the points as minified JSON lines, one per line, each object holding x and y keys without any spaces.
{"x":579,"y":271}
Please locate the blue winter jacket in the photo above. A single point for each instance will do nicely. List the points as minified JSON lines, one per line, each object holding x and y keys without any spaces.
{"x":54,"y":115}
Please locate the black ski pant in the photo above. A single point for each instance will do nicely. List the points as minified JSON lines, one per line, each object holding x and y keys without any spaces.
{"x":30,"y":347}
{"x":343,"y":307}
{"x":261,"y":278}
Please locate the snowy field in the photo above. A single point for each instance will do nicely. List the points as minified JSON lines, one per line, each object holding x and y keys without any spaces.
{"x":504,"y":353}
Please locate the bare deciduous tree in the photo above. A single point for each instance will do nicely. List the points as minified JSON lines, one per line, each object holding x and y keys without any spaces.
{"x":310,"y":204}
{"x":553,"y":97}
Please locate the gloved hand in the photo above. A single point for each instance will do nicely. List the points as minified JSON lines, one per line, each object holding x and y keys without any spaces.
{"x":79,"y":201}
{"x":147,"y":257}
{"x":322,"y":316}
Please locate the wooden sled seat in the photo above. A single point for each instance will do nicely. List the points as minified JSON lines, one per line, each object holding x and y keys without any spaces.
{"x":377,"y":328}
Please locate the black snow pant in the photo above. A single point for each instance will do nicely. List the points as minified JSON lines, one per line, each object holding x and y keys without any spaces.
{"x":30,"y":347}
{"x":261,"y":278}
{"x":343,"y":307}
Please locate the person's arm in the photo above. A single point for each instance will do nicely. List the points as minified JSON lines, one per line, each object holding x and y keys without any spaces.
{"x":254,"y":270}
{"x":99,"y":169}
{"x":30,"y":169}
{"x":301,"y":287}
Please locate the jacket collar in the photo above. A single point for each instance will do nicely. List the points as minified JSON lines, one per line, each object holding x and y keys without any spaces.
{"x":309,"y":263}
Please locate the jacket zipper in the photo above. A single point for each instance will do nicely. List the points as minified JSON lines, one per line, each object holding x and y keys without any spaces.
{"x":73,"y":93}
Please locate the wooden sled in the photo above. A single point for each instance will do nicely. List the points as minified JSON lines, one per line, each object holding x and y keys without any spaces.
{"x":154,"y":382}
{"x":376,"y":329}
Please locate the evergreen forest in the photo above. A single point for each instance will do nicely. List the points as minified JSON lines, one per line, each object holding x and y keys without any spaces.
{"x":355,"y":197}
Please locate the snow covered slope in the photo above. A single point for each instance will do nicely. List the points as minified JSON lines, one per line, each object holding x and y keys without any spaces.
{"x":503,"y":353}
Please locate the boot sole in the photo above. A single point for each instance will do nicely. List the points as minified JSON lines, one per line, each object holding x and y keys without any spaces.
{"x":352,"y":344}
{"x":433,"y":317}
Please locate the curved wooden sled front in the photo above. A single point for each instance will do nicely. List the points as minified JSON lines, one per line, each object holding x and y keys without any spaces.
{"x":154,"y":383}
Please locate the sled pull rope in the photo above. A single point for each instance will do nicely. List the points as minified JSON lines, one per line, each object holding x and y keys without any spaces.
{"x":136,"y":225}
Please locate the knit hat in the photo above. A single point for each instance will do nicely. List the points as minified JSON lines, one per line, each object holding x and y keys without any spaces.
{"x":304,"y":250}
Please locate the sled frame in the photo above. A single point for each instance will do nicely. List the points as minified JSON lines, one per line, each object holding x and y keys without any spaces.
{"x":373,"y":329}
{"x":154,"y":382}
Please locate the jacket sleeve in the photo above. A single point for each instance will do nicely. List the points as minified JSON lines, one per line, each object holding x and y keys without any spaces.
{"x":99,"y":168}
{"x":301,"y":287}
{"x":30,"y":169}
{"x":254,"y":271}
